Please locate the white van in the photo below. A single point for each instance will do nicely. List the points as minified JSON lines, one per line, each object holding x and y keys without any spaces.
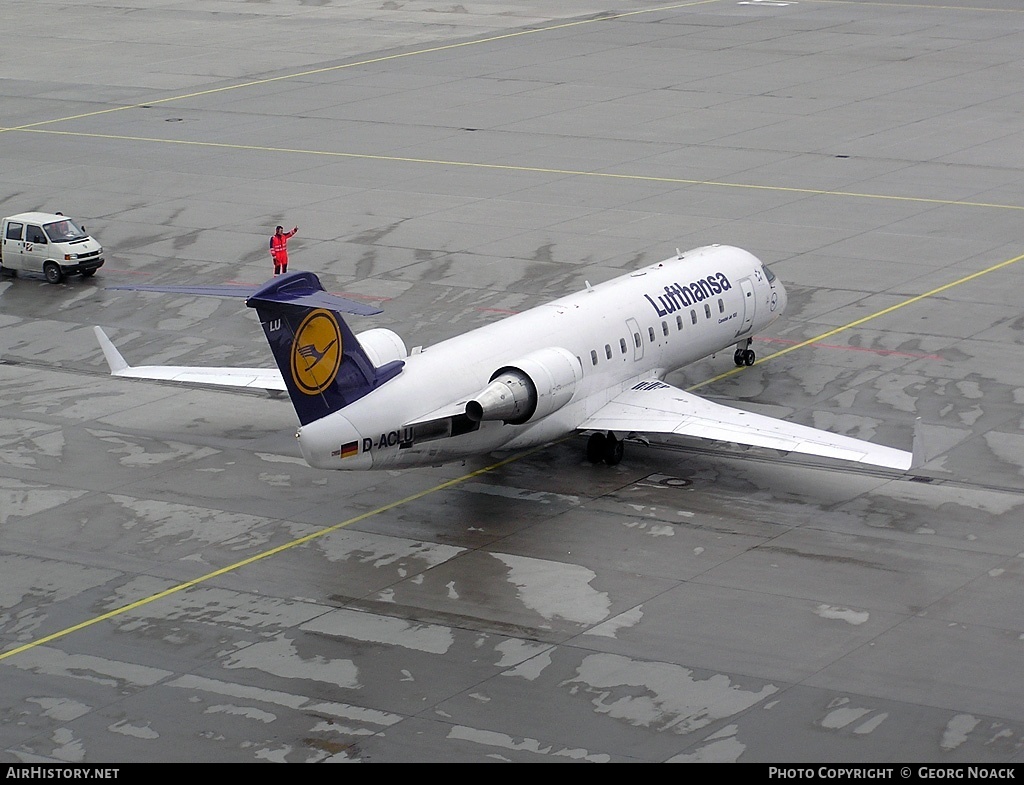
{"x":48,"y":243}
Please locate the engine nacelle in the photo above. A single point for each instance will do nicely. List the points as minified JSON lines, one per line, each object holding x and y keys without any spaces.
{"x":531,"y":388}
{"x":382,"y":345}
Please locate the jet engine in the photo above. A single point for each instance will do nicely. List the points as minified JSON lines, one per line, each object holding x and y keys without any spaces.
{"x":382,"y":345}
{"x":531,"y":388}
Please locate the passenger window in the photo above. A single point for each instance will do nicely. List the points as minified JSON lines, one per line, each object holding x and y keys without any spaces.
{"x":608,"y":351}
{"x":35,"y":235}
{"x":593,"y":356}
{"x":636,"y":339}
{"x":622,"y":345}
{"x":721,"y":305}
{"x":650,"y":332}
{"x":707,"y":311}
{"x":664,"y":327}
{"x":14,"y":231}
{"x":679,"y":322}
{"x":693,"y":316}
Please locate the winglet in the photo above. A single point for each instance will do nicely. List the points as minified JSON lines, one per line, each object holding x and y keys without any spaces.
{"x":116,"y":362}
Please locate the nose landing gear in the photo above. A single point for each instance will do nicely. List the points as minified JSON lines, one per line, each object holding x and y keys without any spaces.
{"x":744,"y":355}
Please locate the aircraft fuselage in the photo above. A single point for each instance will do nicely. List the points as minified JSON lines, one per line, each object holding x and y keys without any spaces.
{"x":535,"y":376}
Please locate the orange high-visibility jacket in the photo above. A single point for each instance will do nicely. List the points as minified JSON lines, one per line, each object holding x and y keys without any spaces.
{"x":279,"y":245}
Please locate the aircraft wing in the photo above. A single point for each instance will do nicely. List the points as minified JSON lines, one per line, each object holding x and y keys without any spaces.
{"x":654,"y":407}
{"x":269,"y":379}
{"x":296,"y":290}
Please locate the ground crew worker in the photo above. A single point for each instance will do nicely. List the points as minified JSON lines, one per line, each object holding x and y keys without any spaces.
{"x":279,"y":249}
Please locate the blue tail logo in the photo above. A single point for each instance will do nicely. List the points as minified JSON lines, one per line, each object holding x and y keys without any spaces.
{"x":324,"y":367}
{"x":314,"y":369}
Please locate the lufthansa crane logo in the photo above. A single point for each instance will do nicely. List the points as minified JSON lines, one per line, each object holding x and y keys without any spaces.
{"x":316,"y":352}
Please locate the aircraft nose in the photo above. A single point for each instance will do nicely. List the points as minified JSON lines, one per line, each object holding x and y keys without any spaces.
{"x":779,"y":299}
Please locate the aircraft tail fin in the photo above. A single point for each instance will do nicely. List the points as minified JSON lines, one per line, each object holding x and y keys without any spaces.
{"x":323,"y":365}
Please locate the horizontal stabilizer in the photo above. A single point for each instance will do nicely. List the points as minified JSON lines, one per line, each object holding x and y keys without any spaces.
{"x":304,"y":289}
{"x":299,"y":289}
{"x":225,"y":290}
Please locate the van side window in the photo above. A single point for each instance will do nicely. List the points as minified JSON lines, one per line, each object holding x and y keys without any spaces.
{"x":35,"y":235}
{"x":14,"y":231}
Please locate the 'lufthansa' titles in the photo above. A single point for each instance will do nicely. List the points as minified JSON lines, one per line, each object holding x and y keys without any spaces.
{"x":678,"y":296}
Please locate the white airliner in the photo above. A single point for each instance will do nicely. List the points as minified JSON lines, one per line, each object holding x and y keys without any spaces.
{"x":591,"y":362}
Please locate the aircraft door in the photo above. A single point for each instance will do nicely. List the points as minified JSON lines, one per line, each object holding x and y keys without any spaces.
{"x":749,"y":306}
{"x":636,"y":338}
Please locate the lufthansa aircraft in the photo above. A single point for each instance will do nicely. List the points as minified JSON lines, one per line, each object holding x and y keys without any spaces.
{"x":591,"y":362}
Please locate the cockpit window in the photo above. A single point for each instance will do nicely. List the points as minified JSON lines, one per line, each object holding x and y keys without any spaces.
{"x":768,"y":273}
{"x":63,"y":231}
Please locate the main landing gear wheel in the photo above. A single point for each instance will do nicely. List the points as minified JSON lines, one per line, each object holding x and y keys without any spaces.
{"x":607,"y":448}
{"x":614,"y":448}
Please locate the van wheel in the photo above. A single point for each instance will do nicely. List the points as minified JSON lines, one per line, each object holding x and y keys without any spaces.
{"x":53,"y":272}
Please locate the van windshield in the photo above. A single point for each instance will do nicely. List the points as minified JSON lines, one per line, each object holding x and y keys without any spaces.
{"x":63,"y":231}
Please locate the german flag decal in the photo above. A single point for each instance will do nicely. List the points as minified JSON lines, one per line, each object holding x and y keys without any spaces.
{"x":350,"y":449}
